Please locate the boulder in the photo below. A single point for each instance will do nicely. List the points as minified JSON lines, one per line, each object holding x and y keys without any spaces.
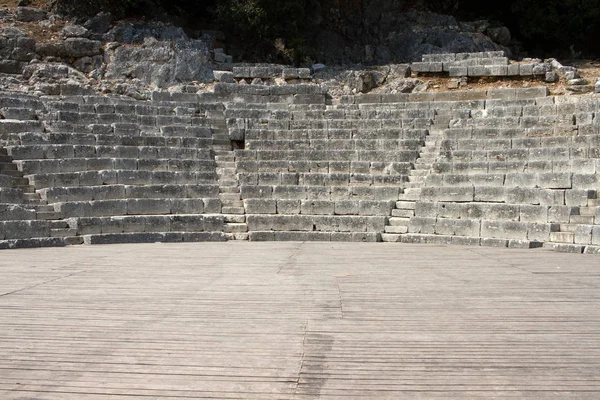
{"x":81,"y":47}
{"x":75,"y":31}
{"x":29,"y":14}
{"x":100,"y":23}
{"x":499,"y":35}
{"x":162,"y":63}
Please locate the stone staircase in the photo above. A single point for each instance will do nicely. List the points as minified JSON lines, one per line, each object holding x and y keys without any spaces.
{"x":574,"y":235}
{"x":398,"y":223}
{"x":232,"y":205}
{"x":33,"y":201}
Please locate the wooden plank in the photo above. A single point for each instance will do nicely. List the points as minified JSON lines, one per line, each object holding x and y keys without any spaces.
{"x":298,"y":321}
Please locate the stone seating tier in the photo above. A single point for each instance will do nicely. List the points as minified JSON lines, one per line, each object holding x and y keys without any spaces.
{"x":509,"y":167}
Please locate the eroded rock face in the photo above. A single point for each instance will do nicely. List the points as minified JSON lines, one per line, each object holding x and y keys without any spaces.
{"x":162,"y":63}
{"x":386,"y":34}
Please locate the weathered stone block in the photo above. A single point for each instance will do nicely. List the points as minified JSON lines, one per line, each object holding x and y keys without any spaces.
{"x":260,"y":206}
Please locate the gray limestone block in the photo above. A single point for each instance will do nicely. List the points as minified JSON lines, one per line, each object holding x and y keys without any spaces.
{"x":187,"y":206}
{"x":26,"y":152}
{"x":467,"y":227}
{"x":525,"y":69}
{"x":288,"y":192}
{"x":578,"y":197}
{"x":291,"y":236}
{"x":86,"y":225}
{"x":504,"y":230}
{"x":212,"y":206}
{"x":261,"y":236}
{"x":498,"y":70}
{"x":555,"y":180}
{"x":522,"y":196}
{"x":187,"y":223}
{"x":420,"y":67}
{"x":204,"y":237}
{"x":375,"y":223}
{"x":214,"y":223}
{"x":583,"y":181}
{"x":366,"y":237}
{"x":148,"y":206}
{"x":443,"y":57}
{"x":114,"y":225}
{"x":509,"y":212}
{"x":592,"y":250}
{"x":346,"y":207}
{"x":444,"y":226}
{"x":524,"y":180}
{"x":369,"y":207}
{"x":260,"y":206}
{"x":159,"y":223}
{"x":458,"y":71}
{"x":583,"y":234}
{"x":502,"y":94}
{"x":491,"y":242}
{"x":124,"y":238}
{"x":533,"y":213}
{"x":288,"y":207}
{"x":541,"y":231}
{"x":316,"y":207}
{"x":427,"y":209}
{"x":129,"y":223}
{"x":596,"y":235}
{"x":422,"y":225}
{"x":341,"y":236}
{"x":241,"y":72}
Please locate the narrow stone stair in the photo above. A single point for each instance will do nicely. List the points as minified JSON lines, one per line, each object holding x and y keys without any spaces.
{"x":399,"y":222}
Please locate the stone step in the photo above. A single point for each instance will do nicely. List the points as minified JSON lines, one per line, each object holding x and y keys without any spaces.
{"x":225,"y":171}
{"x":391,"y":237}
{"x":229,"y":189}
{"x":403,"y":213}
{"x":562,"y":237}
{"x":235,"y":218}
{"x":228,"y":182}
{"x":230,"y":196}
{"x":7,"y":166}
{"x":221,"y":141}
{"x":46,"y":215}
{"x":406,"y":205}
{"x":422,"y":167}
{"x":20,"y":182}
{"x":69,"y":232}
{"x":232,"y":203}
{"x":237,"y":236}
{"x":398,"y":221}
{"x":410,"y":194}
{"x":26,"y":189}
{"x":565,"y":247}
{"x":233,"y":227}
{"x":233,"y":210}
{"x":73,"y":240}
{"x":44,"y":207}
{"x":226,"y":158}
{"x":423,"y":238}
{"x":225,"y":165}
{"x":396,"y":229}
{"x":582,"y":219}
{"x":14,"y":173}
{"x":419,"y":172}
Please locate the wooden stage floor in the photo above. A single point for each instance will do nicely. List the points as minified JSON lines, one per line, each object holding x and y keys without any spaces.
{"x":298,"y":321}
